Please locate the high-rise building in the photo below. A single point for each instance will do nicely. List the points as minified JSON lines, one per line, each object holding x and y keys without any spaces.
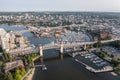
{"x":5,"y":42}
{"x":10,"y":41}
{"x":2,"y":33}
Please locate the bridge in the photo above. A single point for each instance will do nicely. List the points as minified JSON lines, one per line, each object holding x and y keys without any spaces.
{"x":37,"y":30}
{"x":62,"y":46}
{"x":75,"y":44}
{"x":21,"y":31}
{"x":33,"y":29}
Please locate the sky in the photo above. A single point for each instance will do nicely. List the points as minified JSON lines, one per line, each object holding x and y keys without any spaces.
{"x":60,"y":5}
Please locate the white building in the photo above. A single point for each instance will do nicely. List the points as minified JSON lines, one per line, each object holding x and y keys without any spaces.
{"x":2,"y":32}
{"x":5,"y":41}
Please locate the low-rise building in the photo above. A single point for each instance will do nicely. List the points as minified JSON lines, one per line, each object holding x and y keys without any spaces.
{"x":57,"y":34}
{"x":11,"y":65}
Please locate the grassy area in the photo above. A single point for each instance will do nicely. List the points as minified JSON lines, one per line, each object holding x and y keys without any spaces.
{"x":17,"y":73}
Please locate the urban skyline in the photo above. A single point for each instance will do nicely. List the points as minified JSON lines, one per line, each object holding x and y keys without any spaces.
{"x":59,"y":39}
{"x":63,"y":5}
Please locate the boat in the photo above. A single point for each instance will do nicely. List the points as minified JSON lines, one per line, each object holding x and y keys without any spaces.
{"x":44,"y":68}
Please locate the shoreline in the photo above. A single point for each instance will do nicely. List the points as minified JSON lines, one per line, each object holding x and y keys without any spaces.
{"x":31,"y":72}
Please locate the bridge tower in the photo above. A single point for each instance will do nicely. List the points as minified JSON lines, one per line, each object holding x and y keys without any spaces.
{"x":85,"y":47}
{"x":41,"y":51}
{"x":61,"y":48}
{"x":74,"y":48}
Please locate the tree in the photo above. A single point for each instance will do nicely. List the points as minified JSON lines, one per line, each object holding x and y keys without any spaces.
{"x":17,"y":71}
{"x":9,"y":76}
{"x":30,"y":60}
{"x":23,"y":72}
{"x":118,"y":60}
{"x":112,"y":56}
{"x":17,"y":76}
{"x":1,"y":63}
{"x":9,"y":57}
{"x":3,"y":58}
{"x":6,"y":57}
{"x":116,"y":44}
{"x":98,"y":44}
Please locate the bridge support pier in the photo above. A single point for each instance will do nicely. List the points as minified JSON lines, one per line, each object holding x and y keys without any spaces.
{"x":41,"y":60}
{"x":41,"y":51}
{"x":74,"y":48}
{"x":85,"y":47}
{"x":61,"y":56}
{"x":61,"y":48}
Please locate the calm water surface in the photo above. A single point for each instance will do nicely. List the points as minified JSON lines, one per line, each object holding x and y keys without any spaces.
{"x":63,"y":67}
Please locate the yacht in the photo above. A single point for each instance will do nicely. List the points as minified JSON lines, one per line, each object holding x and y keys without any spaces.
{"x":44,"y":67}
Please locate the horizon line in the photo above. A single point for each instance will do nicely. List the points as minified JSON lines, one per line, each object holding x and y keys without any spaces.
{"x":115,"y":11}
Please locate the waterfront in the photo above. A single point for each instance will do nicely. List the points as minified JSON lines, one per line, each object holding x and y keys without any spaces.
{"x":66,"y":68}
{"x":30,"y":37}
{"x":62,"y":68}
{"x":69,"y":37}
{"x":11,"y":27}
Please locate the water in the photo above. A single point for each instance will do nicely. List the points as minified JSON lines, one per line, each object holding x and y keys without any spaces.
{"x":13,"y":28}
{"x":33,"y":40}
{"x":60,"y":67}
{"x":63,"y":67}
{"x":36,"y":41}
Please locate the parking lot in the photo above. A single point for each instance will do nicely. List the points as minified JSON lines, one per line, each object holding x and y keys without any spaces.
{"x":92,"y":60}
